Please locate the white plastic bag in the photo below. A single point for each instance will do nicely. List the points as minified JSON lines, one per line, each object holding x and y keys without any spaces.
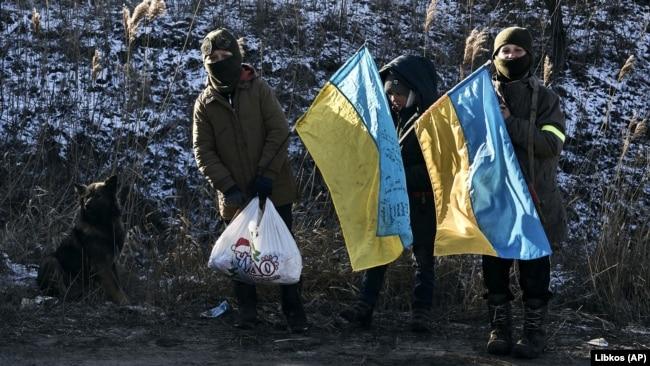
{"x":256,"y":249}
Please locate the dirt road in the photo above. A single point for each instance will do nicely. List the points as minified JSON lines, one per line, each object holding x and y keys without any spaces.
{"x":103,"y":334}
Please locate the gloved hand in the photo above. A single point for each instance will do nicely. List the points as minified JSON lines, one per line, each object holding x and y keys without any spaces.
{"x":262,"y":187}
{"x":233,"y":197}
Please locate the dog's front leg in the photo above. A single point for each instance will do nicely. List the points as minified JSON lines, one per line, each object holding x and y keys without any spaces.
{"x":108,"y":280}
{"x":50,"y":277}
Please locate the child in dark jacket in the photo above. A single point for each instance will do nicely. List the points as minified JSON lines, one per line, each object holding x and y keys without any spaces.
{"x":536,"y":127}
{"x":410,"y":86}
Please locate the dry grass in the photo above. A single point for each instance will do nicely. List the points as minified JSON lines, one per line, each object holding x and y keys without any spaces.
{"x":126,"y":16}
{"x":625,"y":70}
{"x":96,"y":65}
{"x":430,"y":15}
{"x":147,"y":9}
{"x":619,"y":268}
{"x":640,"y":130}
{"x":156,"y":8}
{"x":636,"y":130}
{"x":616,"y":250}
{"x":548,"y":71}
{"x":241,"y":42}
{"x":474,"y":46}
{"x":137,"y":16}
{"x":36,"y":21}
{"x":627,"y":67}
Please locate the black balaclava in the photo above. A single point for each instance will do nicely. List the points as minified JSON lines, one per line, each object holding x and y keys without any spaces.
{"x":520,"y":67}
{"x":222,"y":75}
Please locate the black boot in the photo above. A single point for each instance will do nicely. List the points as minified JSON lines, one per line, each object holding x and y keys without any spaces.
{"x":359,"y":314}
{"x":499,"y":311}
{"x":246,"y":295}
{"x":532,"y":344}
{"x":293,"y":309}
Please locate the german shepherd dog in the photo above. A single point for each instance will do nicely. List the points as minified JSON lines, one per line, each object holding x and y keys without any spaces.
{"x":87,"y":254}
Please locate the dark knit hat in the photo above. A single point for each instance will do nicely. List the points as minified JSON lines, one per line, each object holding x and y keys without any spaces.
{"x":395,"y":85}
{"x":513,"y":35}
{"x":220,"y":39}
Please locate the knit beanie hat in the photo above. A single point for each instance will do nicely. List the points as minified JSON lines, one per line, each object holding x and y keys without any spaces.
{"x":395,"y":85}
{"x":514,"y":35}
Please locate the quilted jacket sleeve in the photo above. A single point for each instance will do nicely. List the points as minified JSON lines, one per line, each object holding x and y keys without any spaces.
{"x":548,"y":136}
{"x":205,"y":150}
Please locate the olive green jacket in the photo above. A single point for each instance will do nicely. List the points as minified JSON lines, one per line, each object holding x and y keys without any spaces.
{"x":233,"y":141}
{"x":548,"y":136}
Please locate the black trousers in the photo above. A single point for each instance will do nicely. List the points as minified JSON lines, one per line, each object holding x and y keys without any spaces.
{"x":246,"y":293}
{"x":534,"y":279}
{"x":423,"y":226}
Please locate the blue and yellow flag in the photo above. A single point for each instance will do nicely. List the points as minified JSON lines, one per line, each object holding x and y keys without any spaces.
{"x":349,"y":132}
{"x":483,"y":205}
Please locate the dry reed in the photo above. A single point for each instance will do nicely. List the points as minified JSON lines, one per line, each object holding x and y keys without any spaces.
{"x":640,"y":130}
{"x":241,"y":42}
{"x":549,"y":71}
{"x":156,"y":9}
{"x":431,"y":15}
{"x":147,"y":9}
{"x":139,"y":13}
{"x":96,"y":66}
{"x":36,"y":21}
{"x":618,"y":265}
{"x":636,"y":129}
{"x":474,"y":46}
{"x":126,"y":15}
{"x":627,"y":67}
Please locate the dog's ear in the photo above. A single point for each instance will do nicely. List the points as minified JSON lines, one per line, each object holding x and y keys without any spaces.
{"x":111,"y":183}
{"x":80,"y":189}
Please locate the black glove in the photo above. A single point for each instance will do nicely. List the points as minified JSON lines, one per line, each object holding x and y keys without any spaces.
{"x":233,"y":197}
{"x":262,"y":187}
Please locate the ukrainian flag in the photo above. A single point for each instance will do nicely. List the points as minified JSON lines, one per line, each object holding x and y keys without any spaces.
{"x":349,"y":132}
{"x":483,"y":205}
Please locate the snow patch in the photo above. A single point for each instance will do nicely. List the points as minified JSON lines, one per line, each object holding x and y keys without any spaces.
{"x":19,"y":274}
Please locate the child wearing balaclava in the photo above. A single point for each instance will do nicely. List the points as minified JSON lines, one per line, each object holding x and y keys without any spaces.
{"x":535,"y":124}
{"x":240,"y":139}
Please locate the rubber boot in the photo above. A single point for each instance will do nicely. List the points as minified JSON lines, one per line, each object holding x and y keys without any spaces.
{"x":533,"y":341}
{"x":293,"y":309}
{"x":500,"y":315}
{"x":246,"y":296}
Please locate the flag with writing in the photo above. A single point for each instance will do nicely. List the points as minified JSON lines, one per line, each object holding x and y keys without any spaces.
{"x":349,"y":132}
